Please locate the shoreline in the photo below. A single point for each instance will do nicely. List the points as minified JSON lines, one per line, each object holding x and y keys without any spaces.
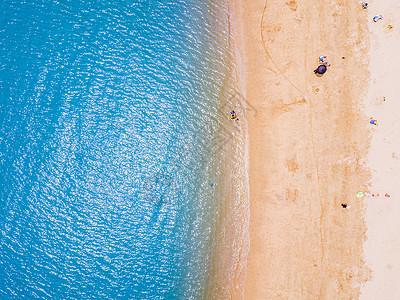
{"x":230,"y":238}
{"x":307,"y":149}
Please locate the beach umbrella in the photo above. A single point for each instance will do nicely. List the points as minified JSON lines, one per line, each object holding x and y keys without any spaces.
{"x":321,"y":69}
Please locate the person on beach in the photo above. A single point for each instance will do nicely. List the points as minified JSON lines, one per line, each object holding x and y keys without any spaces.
{"x":364,"y":5}
{"x":324,"y":61}
{"x":373,"y":121}
{"x":344,"y":205}
{"x":377,"y":18}
{"x":233,"y":116}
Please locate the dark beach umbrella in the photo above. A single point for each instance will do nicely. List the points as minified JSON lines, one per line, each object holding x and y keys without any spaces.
{"x":321,"y":69}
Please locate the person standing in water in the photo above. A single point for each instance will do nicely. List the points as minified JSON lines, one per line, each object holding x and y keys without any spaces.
{"x":233,"y":116}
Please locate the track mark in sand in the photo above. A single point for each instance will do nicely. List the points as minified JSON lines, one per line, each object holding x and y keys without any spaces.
{"x":284,"y":107}
{"x":269,"y":55}
{"x":322,"y":290}
{"x":292,"y":4}
{"x":311,"y":109}
{"x":286,"y":78}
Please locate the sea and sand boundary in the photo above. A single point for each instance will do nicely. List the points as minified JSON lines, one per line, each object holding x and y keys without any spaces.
{"x":312,"y":149}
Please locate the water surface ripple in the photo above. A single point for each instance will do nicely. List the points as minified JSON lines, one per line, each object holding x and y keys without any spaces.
{"x":107,"y":110}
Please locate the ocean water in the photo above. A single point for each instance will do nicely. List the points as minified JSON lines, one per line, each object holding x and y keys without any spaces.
{"x":110,"y":176}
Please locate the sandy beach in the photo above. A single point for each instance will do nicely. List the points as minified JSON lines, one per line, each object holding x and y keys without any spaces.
{"x":382,"y":247}
{"x":310,"y":147}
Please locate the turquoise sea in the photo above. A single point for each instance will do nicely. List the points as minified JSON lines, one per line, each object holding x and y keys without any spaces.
{"x":111,"y":176}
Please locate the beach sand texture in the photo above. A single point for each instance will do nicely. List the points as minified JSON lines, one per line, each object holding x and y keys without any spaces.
{"x":382,"y":247}
{"x":308,"y":144}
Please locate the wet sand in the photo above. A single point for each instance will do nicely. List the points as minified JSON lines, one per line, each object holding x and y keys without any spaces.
{"x":308,"y":145}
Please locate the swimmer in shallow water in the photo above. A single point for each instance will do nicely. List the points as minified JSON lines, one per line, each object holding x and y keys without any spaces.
{"x":233,"y":116}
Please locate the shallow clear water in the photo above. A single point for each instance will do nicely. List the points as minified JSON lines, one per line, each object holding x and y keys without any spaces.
{"x":109,"y":111}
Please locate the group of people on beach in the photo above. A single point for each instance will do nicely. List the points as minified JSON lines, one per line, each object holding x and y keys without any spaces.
{"x":321,"y":69}
{"x":377,"y":17}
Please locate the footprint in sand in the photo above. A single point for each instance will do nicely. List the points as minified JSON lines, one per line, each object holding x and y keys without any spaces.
{"x":292,"y":4}
{"x":292,"y":165}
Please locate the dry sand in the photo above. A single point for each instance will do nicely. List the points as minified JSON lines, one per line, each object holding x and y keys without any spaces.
{"x":308,"y":142}
{"x":382,"y":248}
